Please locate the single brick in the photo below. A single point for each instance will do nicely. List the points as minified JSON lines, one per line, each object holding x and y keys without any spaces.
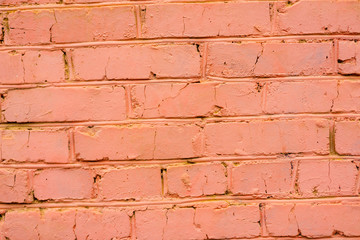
{"x":63,"y":184}
{"x":106,"y":223}
{"x":241,"y":98}
{"x":230,"y":222}
{"x":313,"y":220}
{"x":267,"y":137}
{"x":259,"y":177}
{"x":18,"y":2}
{"x":150,"y":224}
{"x":136,"y":62}
{"x":11,"y":67}
{"x":14,"y":186}
{"x":348,"y":99}
{"x":35,"y":145}
{"x":300,"y":97}
{"x":94,"y":24}
{"x":64,"y":104}
{"x":43,"y":66}
{"x":318,"y":17}
{"x":324,"y":178}
{"x":197,"y":180}
{"x":348,"y":59}
{"x":205,"y":19}
{"x":269,"y":59}
{"x":183,"y":217}
{"x":172,"y":100}
{"x":347,"y":137}
{"x":57,"y":224}
{"x":20,"y":225}
{"x":131,"y":183}
{"x":30,"y":27}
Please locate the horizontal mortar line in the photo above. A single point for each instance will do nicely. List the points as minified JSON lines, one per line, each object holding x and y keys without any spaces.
{"x":208,"y":79}
{"x":190,"y":120}
{"x":119,"y":3}
{"x":188,"y":201}
{"x":152,"y":162}
{"x":55,"y":46}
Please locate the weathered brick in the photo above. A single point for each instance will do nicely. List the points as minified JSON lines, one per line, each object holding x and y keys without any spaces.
{"x":172,"y":100}
{"x":269,"y":59}
{"x":120,"y":143}
{"x":324,"y":17}
{"x":131,"y":183}
{"x":347,"y":137}
{"x":267,"y":137}
{"x":136,"y":62}
{"x":107,"y":223}
{"x":326,"y":177}
{"x":14,"y":186}
{"x":349,"y":52}
{"x":30,"y":27}
{"x":197,"y":180}
{"x":20,"y":225}
{"x":205,"y":19}
{"x":18,"y":2}
{"x":261,"y":177}
{"x":11,"y":67}
{"x":94,"y":24}
{"x":300,"y":97}
{"x":64,"y":104}
{"x":150,"y":224}
{"x":230,"y":222}
{"x":63,"y":184}
{"x":35,"y":145}
{"x":313,"y":220}
{"x":348,"y":99}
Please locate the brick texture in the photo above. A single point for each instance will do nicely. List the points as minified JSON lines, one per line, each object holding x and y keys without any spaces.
{"x":179,"y":120}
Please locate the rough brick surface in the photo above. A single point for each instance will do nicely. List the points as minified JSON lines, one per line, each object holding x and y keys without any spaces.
{"x":179,"y":120}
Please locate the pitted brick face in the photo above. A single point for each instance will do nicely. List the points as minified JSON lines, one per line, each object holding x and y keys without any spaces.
{"x":179,"y":120}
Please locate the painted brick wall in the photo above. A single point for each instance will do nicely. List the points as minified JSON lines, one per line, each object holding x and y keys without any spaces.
{"x":179,"y":119}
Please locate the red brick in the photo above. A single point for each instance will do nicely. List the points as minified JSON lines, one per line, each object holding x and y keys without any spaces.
{"x":107,"y":223}
{"x":14,"y":186}
{"x":240,"y":98}
{"x":261,"y":177}
{"x":267,"y":137}
{"x":18,"y":2}
{"x":318,"y":17}
{"x":131,"y":183}
{"x":64,"y":104}
{"x":20,"y":225}
{"x":313,"y":220}
{"x":348,"y":99}
{"x":300,"y":97}
{"x":57,"y":224}
{"x":94,"y":24}
{"x":324,"y":178}
{"x":349,"y":52}
{"x":172,"y":100}
{"x":63,"y":184}
{"x":136,"y":62}
{"x":232,"y":222}
{"x":120,"y":143}
{"x":150,"y":224}
{"x":30,"y":27}
{"x":11,"y":68}
{"x":269,"y":59}
{"x":35,"y":145}
{"x":347,"y":138}
{"x":197,"y":180}
{"x":205,"y":19}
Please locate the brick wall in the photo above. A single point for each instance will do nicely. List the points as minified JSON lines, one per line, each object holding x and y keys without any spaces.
{"x":179,"y":119}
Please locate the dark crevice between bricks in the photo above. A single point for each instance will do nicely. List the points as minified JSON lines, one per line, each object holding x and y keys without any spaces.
{"x":332,"y":148}
{"x":66,"y":64}
{"x":162,"y":173}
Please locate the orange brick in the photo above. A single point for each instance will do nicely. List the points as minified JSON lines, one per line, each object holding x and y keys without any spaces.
{"x":131,"y":183}
{"x":14,"y":186}
{"x":63,"y":184}
{"x":348,"y":99}
{"x":64,"y":104}
{"x":35,"y":146}
{"x":267,"y":137}
{"x":347,"y":137}
{"x":348,"y":59}
{"x":197,"y":180}
{"x":205,"y":19}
